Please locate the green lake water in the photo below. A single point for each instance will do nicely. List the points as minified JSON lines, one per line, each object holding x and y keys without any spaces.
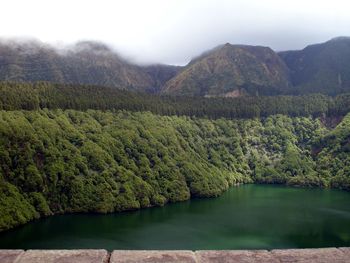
{"x":244,"y":217}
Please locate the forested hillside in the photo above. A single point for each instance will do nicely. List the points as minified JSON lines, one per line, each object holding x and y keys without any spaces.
{"x":40,"y":95}
{"x":58,"y":161}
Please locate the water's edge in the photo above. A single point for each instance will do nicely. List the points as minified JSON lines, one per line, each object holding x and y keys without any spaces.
{"x":168,"y":203}
{"x":251,"y":217}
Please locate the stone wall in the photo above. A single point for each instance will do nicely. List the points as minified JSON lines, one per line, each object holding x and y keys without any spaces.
{"x":319,"y":255}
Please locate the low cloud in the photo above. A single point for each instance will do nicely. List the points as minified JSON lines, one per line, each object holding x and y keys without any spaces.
{"x":174,"y":31}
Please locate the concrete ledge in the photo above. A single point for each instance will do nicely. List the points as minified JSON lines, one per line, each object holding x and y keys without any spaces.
{"x":318,"y":255}
{"x":9,"y":256}
{"x":152,"y":256}
{"x":64,"y":256}
{"x":346,"y":251}
{"x":235,"y":256}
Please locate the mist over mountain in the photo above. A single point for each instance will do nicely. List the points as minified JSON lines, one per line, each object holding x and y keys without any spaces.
{"x":86,"y":62}
{"x":225,"y":71}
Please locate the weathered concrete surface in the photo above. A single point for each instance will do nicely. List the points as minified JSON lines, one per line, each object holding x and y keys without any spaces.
{"x":64,"y":256}
{"x":233,"y":256}
{"x":319,"y":255}
{"x":10,"y":256}
{"x":346,"y":251}
{"x":152,"y":256}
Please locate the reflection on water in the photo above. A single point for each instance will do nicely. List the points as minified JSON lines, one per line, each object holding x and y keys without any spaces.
{"x":249,"y":216}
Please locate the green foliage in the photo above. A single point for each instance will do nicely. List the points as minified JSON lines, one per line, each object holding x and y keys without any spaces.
{"x":56,"y":161}
{"x":40,"y":95}
{"x":15,"y":207}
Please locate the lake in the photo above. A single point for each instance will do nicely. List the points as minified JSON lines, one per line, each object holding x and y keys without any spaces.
{"x":244,"y":217}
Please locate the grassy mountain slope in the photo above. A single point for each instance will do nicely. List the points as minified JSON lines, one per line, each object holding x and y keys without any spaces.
{"x":85,"y":63}
{"x":226,"y":71}
{"x":323,"y":68}
{"x":230,"y":71}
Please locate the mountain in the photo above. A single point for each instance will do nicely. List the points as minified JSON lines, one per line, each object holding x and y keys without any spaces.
{"x":160,"y":74}
{"x":323,"y":68}
{"x":231,"y":71}
{"x":225,"y":71}
{"x":85,"y":63}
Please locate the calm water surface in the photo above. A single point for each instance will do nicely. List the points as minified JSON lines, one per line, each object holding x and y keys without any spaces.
{"x":245,"y":217}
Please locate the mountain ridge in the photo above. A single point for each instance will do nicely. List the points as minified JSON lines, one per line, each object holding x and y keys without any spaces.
{"x":224,"y":71}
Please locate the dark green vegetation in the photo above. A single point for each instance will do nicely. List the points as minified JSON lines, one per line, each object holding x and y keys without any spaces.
{"x":17,"y":96}
{"x":245,"y":217}
{"x":58,"y":161}
{"x":323,"y":68}
{"x":226,"y":71}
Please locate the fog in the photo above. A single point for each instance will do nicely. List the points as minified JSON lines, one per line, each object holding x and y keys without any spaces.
{"x":174,"y":31}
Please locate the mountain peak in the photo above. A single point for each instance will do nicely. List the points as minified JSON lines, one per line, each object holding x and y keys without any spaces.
{"x":231,"y":70}
{"x":93,"y":46}
{"x":340,"y":38}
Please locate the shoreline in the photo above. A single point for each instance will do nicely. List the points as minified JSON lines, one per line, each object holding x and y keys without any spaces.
{"x":170,"y":203}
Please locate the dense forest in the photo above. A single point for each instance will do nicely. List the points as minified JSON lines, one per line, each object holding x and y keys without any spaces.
{"x":40,"y":95}
{"x":71,"y":148}
{"x":58,"y":161}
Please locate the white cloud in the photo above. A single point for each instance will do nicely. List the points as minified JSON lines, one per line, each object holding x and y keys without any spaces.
{"x":172,"y":31}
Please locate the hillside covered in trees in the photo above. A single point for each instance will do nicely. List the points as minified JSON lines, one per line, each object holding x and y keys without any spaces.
{"x":40,"y":95}
{"x":58,"y":161}
{"x":68,"y":148}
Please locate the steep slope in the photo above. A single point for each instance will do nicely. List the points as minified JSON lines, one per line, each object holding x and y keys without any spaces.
{"x":226,"y":71}
{"x":323,"y":68}
{"x":160,"y":74}
{"x":55,"y":161}
{"x":232,"y":70}
{"x":85,"y":63}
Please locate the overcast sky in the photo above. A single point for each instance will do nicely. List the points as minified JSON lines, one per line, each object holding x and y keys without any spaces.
{"x":173,"y":31}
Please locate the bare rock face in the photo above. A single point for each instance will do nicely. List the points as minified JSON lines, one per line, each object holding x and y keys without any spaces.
{"x":235,"y":256}
{"x":319,"y":255}
{"x":155,"y":256}
{"x":10,"y":256}
{"x":64,"y":256}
